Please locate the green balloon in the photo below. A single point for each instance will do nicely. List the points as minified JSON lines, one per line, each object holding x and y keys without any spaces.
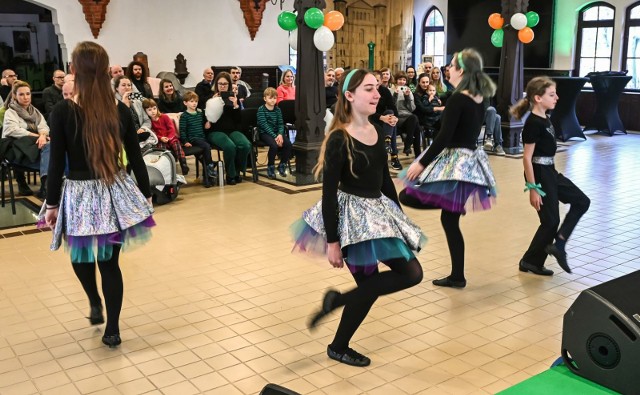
{"x":497,"y":37}
{"x":314,"y":18}
{"x":287,"y":20}
{"x":532,"y":18}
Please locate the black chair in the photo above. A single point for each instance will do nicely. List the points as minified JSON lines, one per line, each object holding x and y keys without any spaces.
{"x":195,"y":151}
{"x":5,"y":175}
{"x":248,"y":126}
{"x":253,"y":101}
{"x":288,"y":108}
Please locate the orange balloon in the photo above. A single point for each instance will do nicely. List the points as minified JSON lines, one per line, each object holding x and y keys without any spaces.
{"x":333,"y":20}
{"x":496,"y":21}
{"x":526,"y":35}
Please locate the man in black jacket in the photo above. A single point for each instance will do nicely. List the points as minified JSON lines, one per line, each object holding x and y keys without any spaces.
{"x":203,"y":89}
{"x":53,"y":94}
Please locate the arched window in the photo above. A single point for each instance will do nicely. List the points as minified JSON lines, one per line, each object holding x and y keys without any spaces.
{"x":595,"y":38}
{"x":433,"y":33}
{"x":631,"y":50}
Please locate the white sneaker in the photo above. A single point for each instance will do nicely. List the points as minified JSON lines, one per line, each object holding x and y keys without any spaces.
{"x":498,"y":150}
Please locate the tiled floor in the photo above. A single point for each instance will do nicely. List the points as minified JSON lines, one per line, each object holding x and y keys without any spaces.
{"x":217,"y":304}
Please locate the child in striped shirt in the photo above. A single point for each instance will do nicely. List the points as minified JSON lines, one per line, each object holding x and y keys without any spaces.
{"x":272,"y":133}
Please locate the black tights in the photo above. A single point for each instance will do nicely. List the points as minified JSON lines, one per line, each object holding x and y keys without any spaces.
{"x":451,"y":224}
{"x":359,"y":300}
{"x":112,"y":287}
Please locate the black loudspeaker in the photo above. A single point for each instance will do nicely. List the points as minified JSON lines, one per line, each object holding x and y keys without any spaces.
{"x":274,"y":389}
{"x":601,"y":334}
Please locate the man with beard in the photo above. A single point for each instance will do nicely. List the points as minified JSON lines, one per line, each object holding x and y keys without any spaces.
{"x":137,"y":74}
{"x":243,"y":87}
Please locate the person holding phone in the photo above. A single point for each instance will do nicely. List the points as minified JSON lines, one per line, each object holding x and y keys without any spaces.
{"x":133,"y":100}
{"x":225,"y":131}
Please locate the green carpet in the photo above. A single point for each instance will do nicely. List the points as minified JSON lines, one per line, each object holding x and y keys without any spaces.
{"x":557,"y":380}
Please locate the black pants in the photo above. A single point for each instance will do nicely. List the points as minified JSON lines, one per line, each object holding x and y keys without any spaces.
{"x":358,"y":301}
{"x":558,"y":188}
{"x":206,"y":147}
{"x":411,"y":128}
{"x":285,"y":150}
{"x":112,"y":287}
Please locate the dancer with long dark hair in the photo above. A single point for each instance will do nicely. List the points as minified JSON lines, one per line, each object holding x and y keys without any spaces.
{"x":97,"y":208}
{"x":453,"y":174}
{"x":359,"y":220}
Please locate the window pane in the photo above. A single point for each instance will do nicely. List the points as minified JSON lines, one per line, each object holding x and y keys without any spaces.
{"x":633,"y":50}
{"x":605,"y":41}
{"x":438,"y":18}
{"x":633,"y":65}
{"x":591,"y":14}
{"x":586,"y":66}
{"x":588,"y":47}
{"x":606,"y":13}
{"x":429,"y":43}
{"x":438,"y":61}
{"x":603,"y":64}
{"x":439,"y":43}
{"x":635,"y":12}
{"x":430,"y":19}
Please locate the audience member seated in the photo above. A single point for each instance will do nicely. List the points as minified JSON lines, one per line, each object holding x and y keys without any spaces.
{"x":225,"y":128}
{"x":272,"y":133}
{"x":192,"y":127}
{"x":53,"y":94}
{"x":287,"y":89}
{"x":412,"y":81}
{"x":386,"y":79}
{"x":204,"y":88}
{"x":24,"y":123}
{"x":492,"y":121}
{"x":339,"y":72}
{"x":407,"y":121}
{"x":169,"y":100}
{"x":446,"y":78}
{"x":137,"y":74}
{"x":386,"y":117}
{"x":330,"y":87}
{"x":243,"y":87}
{"x":165,"y":130}
{"x":428,"y":107}
{"x":436,"y":80}
{"x":9,"y":77}
{"x":425,"y":67}
{"x":67,"y":90}
{"x":133,"y":100}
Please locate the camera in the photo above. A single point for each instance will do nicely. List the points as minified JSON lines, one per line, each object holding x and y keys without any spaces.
{"x":403,"y":88}
{"x":135,"y":96}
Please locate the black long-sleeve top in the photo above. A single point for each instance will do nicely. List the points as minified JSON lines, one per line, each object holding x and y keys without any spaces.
{"x":229,"y":121}
{"x":66,"y":141}
{"x":461,"y":123}
{"x":385,"y":103}
{"x":370,"y":180}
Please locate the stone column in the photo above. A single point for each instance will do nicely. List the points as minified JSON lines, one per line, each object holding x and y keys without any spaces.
{"x":310,"y":93}
{"x":511,"y":77}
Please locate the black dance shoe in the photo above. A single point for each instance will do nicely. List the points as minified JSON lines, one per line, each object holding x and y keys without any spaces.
{"x":349,"y":357}
{"x":231,"y":181}
{"x":560,"y":256}
{"x":112,"y":341}
{"x":447,"y":282}
{"x":328,"y":303}
{"x":95,"y":316}
{"x":541,"y":271}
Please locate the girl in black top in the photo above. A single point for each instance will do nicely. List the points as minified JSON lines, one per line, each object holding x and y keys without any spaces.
{"x":359,"y":220}
{"x":98,"y":208}
{"x":452,"y":174}
{"x":545,"y":185}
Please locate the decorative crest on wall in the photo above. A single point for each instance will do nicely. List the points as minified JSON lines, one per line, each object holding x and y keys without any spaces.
{"x":95,"y":12}
{"x":253,"y":10}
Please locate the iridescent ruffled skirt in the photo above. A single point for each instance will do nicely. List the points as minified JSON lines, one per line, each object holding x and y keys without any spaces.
{"x":371,"y":230}
{"x":457,"y":180}
{"x":93,"y":216}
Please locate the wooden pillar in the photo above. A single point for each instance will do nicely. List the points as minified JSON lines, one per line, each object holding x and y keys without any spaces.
{"x":310,"y":93}
{"x":511,"y":77}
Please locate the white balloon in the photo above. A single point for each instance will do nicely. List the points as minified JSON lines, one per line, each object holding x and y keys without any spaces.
{"x":519,"y":21}
{"x":323,"y":38}
{"x":293,"y":39}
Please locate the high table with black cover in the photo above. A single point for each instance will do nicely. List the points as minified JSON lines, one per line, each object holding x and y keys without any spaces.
{"x":607,"y":89}
{"x":564,"y":119}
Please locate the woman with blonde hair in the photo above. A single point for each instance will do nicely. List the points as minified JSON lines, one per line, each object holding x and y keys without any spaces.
{"x":97,"y":209}
{"x":453,"y":174}
{"x":359,"y":220}
{"x":286,"y":90}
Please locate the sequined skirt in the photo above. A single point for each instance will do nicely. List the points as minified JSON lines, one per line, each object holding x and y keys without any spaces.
{"x":93,"y":216}
{"x":370,"y":230}
{"x":457,"y":180}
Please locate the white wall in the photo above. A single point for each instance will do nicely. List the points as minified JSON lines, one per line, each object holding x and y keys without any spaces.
{"x":205,"y":32}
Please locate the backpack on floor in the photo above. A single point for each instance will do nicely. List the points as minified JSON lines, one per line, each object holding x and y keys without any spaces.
{"x":161,"y":167}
